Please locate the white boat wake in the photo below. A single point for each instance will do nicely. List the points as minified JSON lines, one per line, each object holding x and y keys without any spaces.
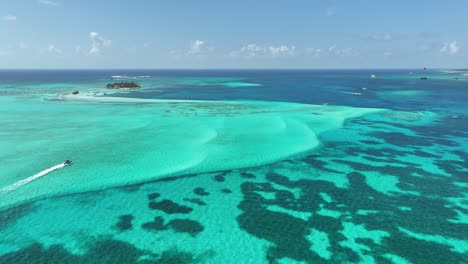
{"x":351,"y":93}
{"x":20,"y":183}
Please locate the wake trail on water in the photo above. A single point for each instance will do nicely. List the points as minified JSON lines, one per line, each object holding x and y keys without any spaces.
{"x":351,"y":93}
{"x":20,"y":183}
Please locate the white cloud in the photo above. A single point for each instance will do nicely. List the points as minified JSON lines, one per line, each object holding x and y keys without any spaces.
{"x":9,"y":18}
{"x":147,"y":44}
{"x":450,"y":48}
{"x":49,"y":2}
{"x":332,"y":50}
{"x":314,"y":52}
{"x":251,"y":50}
{"x":348,"y":52}
{"x":331,"y":11}
{"x":53,"y":49}
{"x":385,"y":36}
{"x":196,"y":47}
{"x":254,"y":50}
{"x":97,"y":43}
{"x":282,"y":50}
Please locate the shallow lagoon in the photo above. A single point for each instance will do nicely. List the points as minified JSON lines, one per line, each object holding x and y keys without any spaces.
{"x":237,"y":181}
{"x":115,"y":141}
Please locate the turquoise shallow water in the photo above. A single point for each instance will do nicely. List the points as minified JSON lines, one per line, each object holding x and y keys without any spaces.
{"x":117,"y":143}
{"x":277,"y":167}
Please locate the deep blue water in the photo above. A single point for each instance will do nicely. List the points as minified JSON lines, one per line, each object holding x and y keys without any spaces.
{"x":302,"y":86}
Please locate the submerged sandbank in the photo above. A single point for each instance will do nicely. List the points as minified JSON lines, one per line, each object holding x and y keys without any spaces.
{"x":117,"y":141}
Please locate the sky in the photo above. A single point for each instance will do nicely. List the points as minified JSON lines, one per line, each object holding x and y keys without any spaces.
{"x":240,"y":34}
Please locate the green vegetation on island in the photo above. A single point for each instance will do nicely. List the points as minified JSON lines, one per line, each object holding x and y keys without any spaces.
{"x":123,"y":85}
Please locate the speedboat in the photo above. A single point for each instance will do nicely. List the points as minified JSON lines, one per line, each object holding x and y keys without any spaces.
{"x":67,"y":162}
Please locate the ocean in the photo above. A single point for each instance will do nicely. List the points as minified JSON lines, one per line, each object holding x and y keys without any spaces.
{"x":234,"y":166}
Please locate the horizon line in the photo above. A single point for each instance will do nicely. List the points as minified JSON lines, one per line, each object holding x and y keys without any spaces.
{"x":226,"y":69}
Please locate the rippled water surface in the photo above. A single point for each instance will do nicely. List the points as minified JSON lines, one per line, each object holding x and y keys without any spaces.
{"x":234,"y":167}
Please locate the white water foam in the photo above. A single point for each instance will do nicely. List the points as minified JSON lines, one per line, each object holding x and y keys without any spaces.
{"x":351,"y":93}
{"x":123,"y":77}
{"x":20,"y":183}
{"x":129,"y":77}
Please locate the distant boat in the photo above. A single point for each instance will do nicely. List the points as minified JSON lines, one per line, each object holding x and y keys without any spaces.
{"x":67,"y":162}
{"x":411,"y":73}
{"x":373,"y":76}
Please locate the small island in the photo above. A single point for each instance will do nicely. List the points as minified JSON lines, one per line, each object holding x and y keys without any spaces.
{"x":123,"y":85}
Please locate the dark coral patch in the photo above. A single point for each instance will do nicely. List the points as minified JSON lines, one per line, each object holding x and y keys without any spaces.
{"x":315,"y":162}
{"x":195,"y":201}
{"x":153,"y":196}
{"x":226,"y":191}
{"x":247,"y":175}
{"x":102,"y":252}
{"x":419,"y":251}
{"x":370,"y":142}
{"x":200,"y":191}
{"x":109,"y":251}
{"x":186,"y":226}
{"x":179,"y":225}
{"x":173,"y":257}
{"x":125,"y":222}
{"x":403,"y":140}
{"x":219,"y":178}
{"x":156,"y":225}
{"x":10,"y":215}
{"x":263,"y":223}
{"x":285,"y":231}
{"x":170,"y":207}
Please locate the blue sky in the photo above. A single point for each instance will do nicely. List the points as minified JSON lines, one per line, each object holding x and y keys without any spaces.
{"x":233,"y":34}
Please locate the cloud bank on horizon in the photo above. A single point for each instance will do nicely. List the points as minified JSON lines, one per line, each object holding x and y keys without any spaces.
{"x":213,"y":34}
